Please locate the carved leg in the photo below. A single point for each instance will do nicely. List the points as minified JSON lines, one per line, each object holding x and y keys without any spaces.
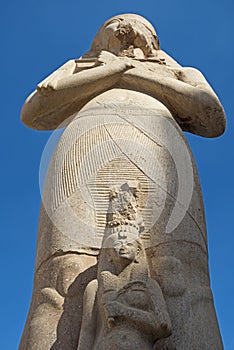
{"x":56,"y":309}
{"x":182,"y":271}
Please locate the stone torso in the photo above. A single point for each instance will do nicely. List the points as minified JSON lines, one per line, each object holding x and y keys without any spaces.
{"x":120,"y":135}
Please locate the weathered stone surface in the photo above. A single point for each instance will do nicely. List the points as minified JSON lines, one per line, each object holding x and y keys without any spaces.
{"x":131,"y":102}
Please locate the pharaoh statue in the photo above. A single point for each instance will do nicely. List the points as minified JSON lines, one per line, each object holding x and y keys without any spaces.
{"x":124,"y":302}
{"x":125,"y":104}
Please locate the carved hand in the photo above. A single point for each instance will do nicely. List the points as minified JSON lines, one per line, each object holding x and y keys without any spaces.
{"x":108,"y":297}
{"x":107,"y":58}
{"x":47,"y":86}
{"x":113,"y":309}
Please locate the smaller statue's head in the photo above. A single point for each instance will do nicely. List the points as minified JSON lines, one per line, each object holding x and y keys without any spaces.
{"x":126,"y":35}
{"x":124,"y":246}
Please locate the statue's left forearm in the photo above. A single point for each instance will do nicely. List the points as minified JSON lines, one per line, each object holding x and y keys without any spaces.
{"x":185,"y":102}
{"x":142,"y":318}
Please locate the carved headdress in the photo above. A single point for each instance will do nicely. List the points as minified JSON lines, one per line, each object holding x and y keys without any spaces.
{"x":123,"y":218}
{"x":140,"y":25}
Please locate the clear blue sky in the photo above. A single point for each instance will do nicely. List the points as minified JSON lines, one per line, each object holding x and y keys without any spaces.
{"x":37,"y":37}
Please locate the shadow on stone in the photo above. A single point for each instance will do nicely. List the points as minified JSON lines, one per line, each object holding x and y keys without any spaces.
{"x":69,"y":325}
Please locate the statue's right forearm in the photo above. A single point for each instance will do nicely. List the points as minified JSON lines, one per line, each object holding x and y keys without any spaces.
{"x":47,"y":107}
{"x":89,"y":82}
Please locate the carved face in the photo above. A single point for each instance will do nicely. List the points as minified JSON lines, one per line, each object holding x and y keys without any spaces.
{"x":127,"y":38}
{"x":126,"y":35}
{"x":123,"y":249}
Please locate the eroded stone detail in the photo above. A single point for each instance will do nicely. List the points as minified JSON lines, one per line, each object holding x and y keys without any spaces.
{"x":124,"y":302}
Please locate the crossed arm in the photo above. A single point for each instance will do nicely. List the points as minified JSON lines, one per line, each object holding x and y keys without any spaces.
{"x":189,"y":98}
{"x":67,"y":91}
{"x":187,"y":95}
{"x":154,"y":321}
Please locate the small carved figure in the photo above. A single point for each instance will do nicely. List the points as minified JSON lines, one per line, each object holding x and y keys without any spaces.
{"x":124,"y":306}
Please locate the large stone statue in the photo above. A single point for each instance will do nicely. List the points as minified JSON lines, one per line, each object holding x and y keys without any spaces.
{"x":125,"y":104}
